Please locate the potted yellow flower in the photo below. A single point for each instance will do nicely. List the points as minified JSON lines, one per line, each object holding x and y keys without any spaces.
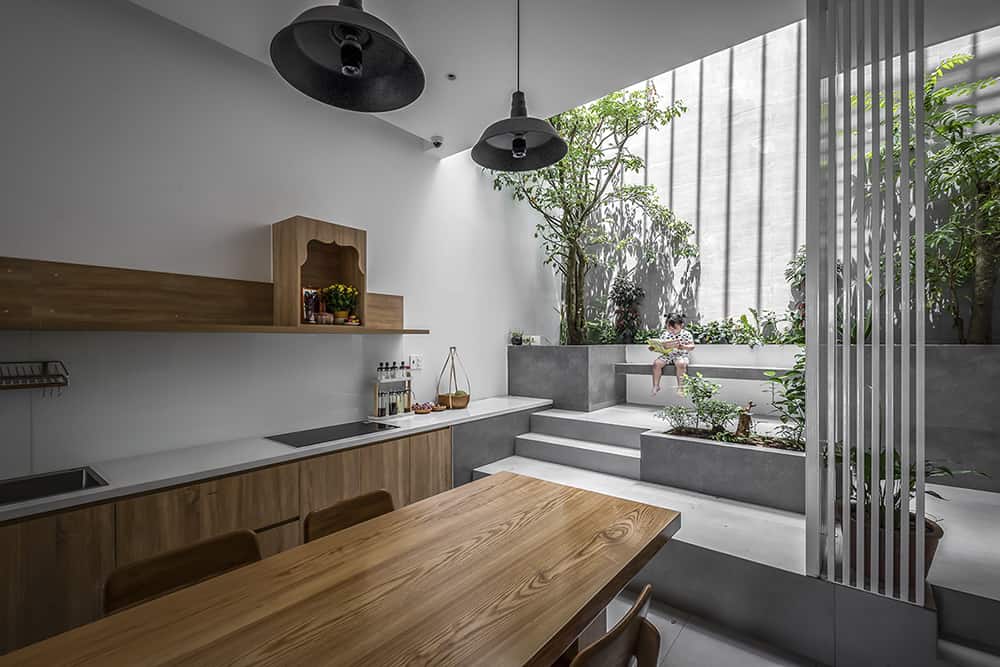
{"x":342,"y":300}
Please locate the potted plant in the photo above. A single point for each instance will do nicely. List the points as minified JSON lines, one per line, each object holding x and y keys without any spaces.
{"x":516,"y":337}
{"x":341,"y":300}
{"x":899,"y":491}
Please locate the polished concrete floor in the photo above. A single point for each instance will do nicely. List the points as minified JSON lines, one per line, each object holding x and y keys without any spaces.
{"x":687,"y":641}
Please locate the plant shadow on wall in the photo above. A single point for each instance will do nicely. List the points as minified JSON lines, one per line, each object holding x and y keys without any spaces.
{"x":595,"y":224}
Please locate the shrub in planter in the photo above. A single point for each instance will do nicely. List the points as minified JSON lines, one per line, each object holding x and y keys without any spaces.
{"x":871,"y":480}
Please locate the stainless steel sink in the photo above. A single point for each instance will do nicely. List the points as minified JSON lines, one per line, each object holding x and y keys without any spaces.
{"x":19,"y":489}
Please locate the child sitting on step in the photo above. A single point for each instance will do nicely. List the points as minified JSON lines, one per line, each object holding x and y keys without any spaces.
{"x":673,"y":348}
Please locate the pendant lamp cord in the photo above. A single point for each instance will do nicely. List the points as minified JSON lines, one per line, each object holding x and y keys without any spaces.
{"x":517,"y":45}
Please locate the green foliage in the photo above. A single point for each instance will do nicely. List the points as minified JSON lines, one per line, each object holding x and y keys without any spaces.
{"x":755,"y":328}
{"x":894,"y":484}
{"x":626,"y":295}
{"x":600,"y":332}
{"x":572,"y":194}
{"x":963,"y":173}
{"x":642,"y":336}
{"x":788,"y":395}
{"x":714,"y":414}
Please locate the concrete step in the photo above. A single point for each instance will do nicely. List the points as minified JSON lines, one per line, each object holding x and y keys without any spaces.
{"x":955,"y":654}
{"x":583,"y":426}
{"x":967,"y":619}
{"x":610,"y":459}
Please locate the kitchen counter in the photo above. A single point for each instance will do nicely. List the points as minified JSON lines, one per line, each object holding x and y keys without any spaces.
{"x":150,"y":472}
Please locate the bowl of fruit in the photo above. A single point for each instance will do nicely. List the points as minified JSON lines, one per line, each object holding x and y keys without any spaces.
{"x":423,"y":408}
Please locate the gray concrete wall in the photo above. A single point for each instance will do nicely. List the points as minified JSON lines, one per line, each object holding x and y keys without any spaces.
{"x":483,"y":441}
{"x":575,"y":377}
{"x":771,"y":477}
{"x":821,"y":621}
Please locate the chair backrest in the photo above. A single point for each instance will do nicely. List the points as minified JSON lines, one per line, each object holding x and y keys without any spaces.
{"x":346,"y":513}
{"x":147,"y":579}
{"x":633,"y":636}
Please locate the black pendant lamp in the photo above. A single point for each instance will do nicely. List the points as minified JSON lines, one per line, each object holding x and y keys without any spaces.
{"x":519,"y":143}
{"x":347,"y":58}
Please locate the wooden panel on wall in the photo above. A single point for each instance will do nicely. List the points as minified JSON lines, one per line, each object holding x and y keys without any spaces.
{"x":290,"y":242}
{"x":53,"y":572}
{"x":430,"y":464}
{"x":279,"y":538}
{"x":158,"y":522}
{"x":54,"y":295}
{"x":385,"y":311}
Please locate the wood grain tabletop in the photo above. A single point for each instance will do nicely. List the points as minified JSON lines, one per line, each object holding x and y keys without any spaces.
{"x":507,"y":570}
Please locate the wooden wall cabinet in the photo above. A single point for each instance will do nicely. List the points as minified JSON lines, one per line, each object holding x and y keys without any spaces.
{"x":53,"y":572}
{"x":158,"y":522}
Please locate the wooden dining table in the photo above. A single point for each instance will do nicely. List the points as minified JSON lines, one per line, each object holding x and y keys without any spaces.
{"x":506,"y":570}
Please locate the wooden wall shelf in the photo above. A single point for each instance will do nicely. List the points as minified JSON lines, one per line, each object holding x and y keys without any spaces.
{"x":56,"y":296}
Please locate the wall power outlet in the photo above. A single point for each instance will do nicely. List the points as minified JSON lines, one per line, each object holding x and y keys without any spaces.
{"x":416,"y":362}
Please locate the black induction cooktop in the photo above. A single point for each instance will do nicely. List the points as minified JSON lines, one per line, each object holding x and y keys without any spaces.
{"x":317,"y":436}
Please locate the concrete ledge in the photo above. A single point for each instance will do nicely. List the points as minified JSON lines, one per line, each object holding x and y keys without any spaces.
{"x":758,"y":475}
{"x":575,"y":377}
{"x":717,"y":372}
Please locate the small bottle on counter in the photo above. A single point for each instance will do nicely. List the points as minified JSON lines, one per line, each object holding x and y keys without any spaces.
{"x":379,"y":373}
{"x":393,"y":371}
{"x":393,"y":406}
{"x":382,"y":404}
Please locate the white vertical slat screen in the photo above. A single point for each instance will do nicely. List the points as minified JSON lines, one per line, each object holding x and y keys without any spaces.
{"x":866,"y":314}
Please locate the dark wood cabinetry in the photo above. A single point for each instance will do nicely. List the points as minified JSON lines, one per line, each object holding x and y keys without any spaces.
{"x":53,"y":568}
{"x":53,"y":571}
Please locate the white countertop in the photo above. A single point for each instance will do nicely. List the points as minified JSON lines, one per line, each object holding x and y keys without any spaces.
{"x":139,"y":474}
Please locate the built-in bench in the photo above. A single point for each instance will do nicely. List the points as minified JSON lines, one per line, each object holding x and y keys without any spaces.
{"x":713,"y":371}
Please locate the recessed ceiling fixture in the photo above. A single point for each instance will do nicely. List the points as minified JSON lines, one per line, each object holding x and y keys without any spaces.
{"x":347,"y":58}
{"x":521,"y":142}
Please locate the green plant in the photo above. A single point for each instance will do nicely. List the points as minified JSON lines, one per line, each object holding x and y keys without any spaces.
{"x":340,"y":297}
{"x":679,"y":417}
{"x":593,"y":177}
{"x":788,"y":395}
{"x":600,"y":332}
{"x":962,"y":165}
{"x":715,"y":414}
{"x":895,"y":484}
{"x":642,"y":336}
{"x":626,"y":295}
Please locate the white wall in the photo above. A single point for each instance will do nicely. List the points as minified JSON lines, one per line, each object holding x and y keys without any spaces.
{"x":129,"y":141}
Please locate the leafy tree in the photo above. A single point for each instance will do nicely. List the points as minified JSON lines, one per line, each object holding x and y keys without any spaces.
{"x":572,"y":195}
{"x":963,"y":193}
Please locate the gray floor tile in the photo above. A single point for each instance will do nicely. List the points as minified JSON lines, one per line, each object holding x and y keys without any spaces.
{"x":700,"y":645}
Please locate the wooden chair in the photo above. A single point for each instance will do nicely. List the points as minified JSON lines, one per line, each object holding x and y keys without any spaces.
{"x":144,"y":580}
{"x":346,"y":513}
{"x":633,"y":636}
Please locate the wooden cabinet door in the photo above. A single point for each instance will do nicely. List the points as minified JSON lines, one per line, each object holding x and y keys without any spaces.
{"x":326,"y":479}
{"x":158,"y":522}
{"x":430,"y":464}
{"x":53,"y":572}
{"x":386,"y":465}
{"x":280,"y":538}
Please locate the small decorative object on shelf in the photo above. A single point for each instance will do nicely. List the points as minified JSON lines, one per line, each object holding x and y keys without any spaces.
{"x":450,"y":393}
{"x":50,"y":376}
{"x":342,"y":301}
{"x":516,"y":337}
{"x":310,"y":305}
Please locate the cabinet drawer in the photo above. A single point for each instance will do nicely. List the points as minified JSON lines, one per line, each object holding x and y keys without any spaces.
{"x":158,"y":522}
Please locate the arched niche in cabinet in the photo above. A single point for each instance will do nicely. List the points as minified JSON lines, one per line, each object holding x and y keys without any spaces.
{"x":309,"y":253}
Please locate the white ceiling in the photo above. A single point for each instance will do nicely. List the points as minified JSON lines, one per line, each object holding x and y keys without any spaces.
{"x":572,"y":51}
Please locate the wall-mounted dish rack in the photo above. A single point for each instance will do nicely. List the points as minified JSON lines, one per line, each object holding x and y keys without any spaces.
{"x":48,"y":375}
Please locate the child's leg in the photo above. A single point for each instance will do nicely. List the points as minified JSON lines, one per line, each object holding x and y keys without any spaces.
{"x":658,"y":366}
{"x":681,"y":367}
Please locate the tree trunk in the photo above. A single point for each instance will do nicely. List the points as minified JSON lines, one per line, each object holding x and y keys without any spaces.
{"x":573,"y":294}
{"x":983,"y":281}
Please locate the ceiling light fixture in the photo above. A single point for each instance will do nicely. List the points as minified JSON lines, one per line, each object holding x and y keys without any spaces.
{"x":521,"y":142}
{"x":347,"y":58}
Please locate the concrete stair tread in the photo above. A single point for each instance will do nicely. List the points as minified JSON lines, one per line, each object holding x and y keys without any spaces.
{"x":759,"y":534}
{"x":560,"y":441}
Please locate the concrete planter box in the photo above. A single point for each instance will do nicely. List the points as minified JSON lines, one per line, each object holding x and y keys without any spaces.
{"x":758,"y":475}
{"x":575,"y":377}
